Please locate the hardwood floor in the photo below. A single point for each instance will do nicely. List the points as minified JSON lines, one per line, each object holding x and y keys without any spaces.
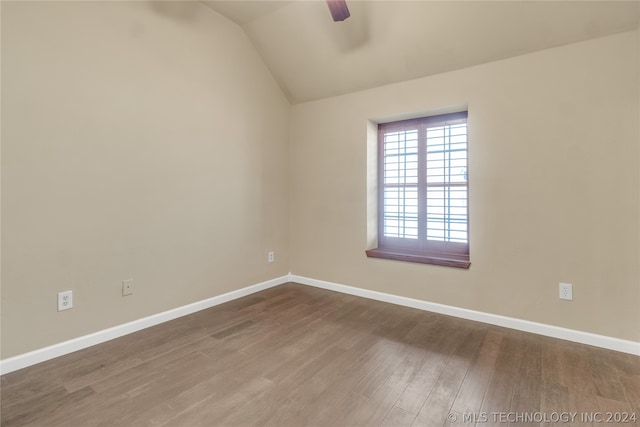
{"x":295,"y":355}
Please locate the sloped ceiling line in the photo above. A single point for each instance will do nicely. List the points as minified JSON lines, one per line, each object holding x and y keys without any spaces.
{"x":311,"y":57}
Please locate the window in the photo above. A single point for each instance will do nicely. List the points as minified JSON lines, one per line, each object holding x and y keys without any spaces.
{"x":423,"y":211}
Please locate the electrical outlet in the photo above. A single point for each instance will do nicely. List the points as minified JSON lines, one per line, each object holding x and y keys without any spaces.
{"x":566,"y":291}
{"x":65,"y":300}
{"x":270,"y":256}
{"x":127,"y":287}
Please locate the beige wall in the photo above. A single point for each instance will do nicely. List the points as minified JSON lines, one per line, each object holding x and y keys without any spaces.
{"x":139,"y":140}
{"x":554,"y":187}
{"x":148,"y":141}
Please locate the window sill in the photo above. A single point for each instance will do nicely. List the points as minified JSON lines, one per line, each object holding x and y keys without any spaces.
{"x":445,"y":260}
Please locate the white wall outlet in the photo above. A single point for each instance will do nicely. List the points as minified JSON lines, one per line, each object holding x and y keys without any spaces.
{"x":65,"y":300}
{"x":127,"y":287}
{"x":566,"y":291}
{"x":270,"y":256}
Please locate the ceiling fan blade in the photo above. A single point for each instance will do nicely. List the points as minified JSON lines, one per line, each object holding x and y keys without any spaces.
{"x":339,"y":10}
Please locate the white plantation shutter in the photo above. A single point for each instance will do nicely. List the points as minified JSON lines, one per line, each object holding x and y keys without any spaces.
{"x":446,"y":201}
{"x":423,"y":184}
{"x":401,"y":183}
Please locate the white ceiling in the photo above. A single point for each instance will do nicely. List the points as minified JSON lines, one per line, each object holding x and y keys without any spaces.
{"x":383,"y":42}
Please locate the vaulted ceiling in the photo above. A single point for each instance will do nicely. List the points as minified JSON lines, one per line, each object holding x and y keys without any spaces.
{"x":383,"y":42}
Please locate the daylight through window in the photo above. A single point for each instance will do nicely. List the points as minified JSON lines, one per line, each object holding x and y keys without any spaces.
{"x":423,"y":190}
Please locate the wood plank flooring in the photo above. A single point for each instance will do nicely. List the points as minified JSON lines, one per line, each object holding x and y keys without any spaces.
{"x":299,"y":356}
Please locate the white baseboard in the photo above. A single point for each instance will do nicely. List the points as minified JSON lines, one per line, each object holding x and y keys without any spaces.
{"x":24,"y":360}
{"x":603,"y":341}
{"x":27,"y":359}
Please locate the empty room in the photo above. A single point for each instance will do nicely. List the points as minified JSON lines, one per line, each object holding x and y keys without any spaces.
{"x":320,"y":213}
